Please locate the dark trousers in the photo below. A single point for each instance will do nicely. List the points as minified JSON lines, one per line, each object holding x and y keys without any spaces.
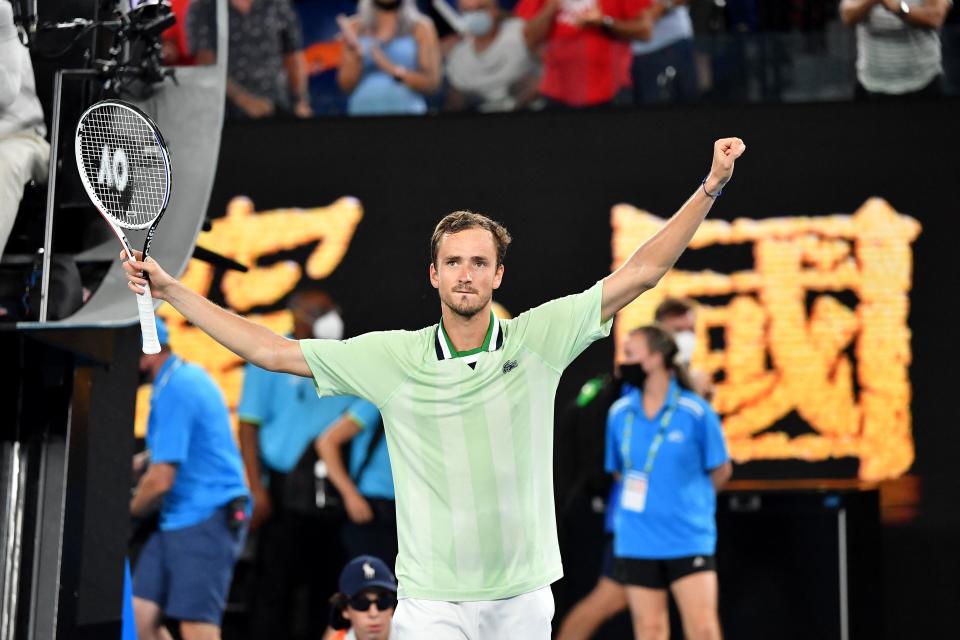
{"x":298,"y":563}
{"x":666,"y":75}
{"x":377,"y":537}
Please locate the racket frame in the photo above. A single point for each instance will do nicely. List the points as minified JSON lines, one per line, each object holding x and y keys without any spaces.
{"x":148,"y":323}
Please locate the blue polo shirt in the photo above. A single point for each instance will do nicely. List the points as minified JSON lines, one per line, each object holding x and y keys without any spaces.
{"x":377,"y":478}
{"x":189,"y":426}
{"x":291,"y":416}
{"x":679,"y":516}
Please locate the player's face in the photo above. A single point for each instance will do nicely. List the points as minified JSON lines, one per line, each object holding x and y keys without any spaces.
{"x":372,"y":624}
{"x":466,"y":272}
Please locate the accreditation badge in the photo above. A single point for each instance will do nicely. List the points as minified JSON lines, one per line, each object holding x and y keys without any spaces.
{"x":634,"y":496}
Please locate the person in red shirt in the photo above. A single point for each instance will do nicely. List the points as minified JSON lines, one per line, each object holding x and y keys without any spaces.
{"x":587,"y":57}
{"x":174,"y":39}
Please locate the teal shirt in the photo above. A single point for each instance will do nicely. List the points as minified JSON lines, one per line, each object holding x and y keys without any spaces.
{"x":291,"y":416}
{"x":376,"y":481}
{"x":189,"y":426}
{"x":678,"y":519}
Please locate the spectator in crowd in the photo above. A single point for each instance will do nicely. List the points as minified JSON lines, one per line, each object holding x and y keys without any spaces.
{"x":491,"y":68}
{"x":666,"y":447}
{"x":391,"y":59}
{"x":898,"y":46}
{"x":678,"y":316}
{"x":363,"y":608}
{"x":281,"y":417}
{"x":176,"y":50}
{"x":24,"y":152}
{"x":266,"y":68}
{"x":664,"y":69}
{"x":196,"y":477}
{"x":366,"y":488}
{"x":587,"y":56}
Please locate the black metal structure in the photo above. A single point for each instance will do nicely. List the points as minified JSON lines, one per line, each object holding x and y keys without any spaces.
{"x":65,"y":471}
{"x":66,"y":436}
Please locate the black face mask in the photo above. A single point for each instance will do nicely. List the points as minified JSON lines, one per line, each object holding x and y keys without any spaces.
{"x":634,"y":374}
{"x":387,"y":5}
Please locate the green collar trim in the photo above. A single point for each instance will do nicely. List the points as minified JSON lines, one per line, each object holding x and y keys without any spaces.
{"x":448,"y":351}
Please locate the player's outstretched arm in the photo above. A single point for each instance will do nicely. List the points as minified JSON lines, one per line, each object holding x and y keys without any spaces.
{"x":248,"y":340}
{"x":652,"y":260}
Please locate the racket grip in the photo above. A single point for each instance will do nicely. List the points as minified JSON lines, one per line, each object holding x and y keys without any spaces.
{"x":148,"y":323}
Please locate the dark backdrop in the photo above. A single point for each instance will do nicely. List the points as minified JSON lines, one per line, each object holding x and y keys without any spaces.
{"x":552,"y":179}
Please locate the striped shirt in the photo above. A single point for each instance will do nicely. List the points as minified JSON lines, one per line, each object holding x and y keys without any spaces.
{"x":895,"y":57}
{"x":470,"y":437}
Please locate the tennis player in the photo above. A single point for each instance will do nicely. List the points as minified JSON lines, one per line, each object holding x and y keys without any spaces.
{"x":467,"y":406}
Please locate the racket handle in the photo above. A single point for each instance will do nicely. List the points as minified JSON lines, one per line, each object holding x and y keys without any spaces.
{"x":148,"y":323}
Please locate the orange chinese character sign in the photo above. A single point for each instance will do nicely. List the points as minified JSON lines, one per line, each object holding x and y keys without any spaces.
{"x":245,"y":236}
{"x":789,"y":343}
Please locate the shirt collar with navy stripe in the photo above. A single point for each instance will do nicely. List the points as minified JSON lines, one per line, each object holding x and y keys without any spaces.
{"x":491,"y":342}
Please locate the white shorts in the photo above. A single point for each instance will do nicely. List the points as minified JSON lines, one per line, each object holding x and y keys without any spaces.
{"x":525,"y":617}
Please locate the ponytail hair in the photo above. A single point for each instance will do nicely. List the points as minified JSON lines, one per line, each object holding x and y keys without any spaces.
{"x":660,"y":340}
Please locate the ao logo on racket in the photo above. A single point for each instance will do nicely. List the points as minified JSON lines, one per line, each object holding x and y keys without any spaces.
{"x":114,"y":169}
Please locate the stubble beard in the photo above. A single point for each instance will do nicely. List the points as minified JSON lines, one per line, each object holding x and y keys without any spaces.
{"x":463,"y":308}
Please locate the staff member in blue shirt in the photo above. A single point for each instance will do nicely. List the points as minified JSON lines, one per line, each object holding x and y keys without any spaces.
{"x":196,"y":477}
{"x":281,"y":418}
{"x":366,"y":487}
{"x":591,"y":410}
{"x":666,"y":446}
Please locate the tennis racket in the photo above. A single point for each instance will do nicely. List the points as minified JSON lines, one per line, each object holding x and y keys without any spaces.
{"x":125,"y":168}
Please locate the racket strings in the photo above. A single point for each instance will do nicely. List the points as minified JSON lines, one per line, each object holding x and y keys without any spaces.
{"x":124,"y":165}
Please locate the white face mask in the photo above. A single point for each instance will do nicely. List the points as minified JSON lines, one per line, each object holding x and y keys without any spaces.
{"x":477,"y":23}
{"x":329,"y":326}
{"x":686,"y":340}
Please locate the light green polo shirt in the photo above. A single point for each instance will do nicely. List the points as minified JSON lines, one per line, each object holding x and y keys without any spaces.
{"x":471,"y":446}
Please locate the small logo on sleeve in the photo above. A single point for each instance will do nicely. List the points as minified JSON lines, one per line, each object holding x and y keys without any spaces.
{"x":509,"y":366}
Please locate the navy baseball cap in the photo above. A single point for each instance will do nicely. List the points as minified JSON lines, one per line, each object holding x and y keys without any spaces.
{"x":366,"y":572}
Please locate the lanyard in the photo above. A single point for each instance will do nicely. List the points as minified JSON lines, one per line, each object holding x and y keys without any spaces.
{"x":162,"y":382}
{"x":657,"y":439}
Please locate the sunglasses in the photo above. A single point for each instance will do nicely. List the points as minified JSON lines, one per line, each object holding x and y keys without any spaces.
{"x":383,"y":602}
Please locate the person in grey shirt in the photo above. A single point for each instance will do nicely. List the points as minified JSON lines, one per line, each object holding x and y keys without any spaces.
{"x":266,"y":68}
{"x":23,"y":150}
{"x":491,"y":68}
{"x":898,"y":46}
